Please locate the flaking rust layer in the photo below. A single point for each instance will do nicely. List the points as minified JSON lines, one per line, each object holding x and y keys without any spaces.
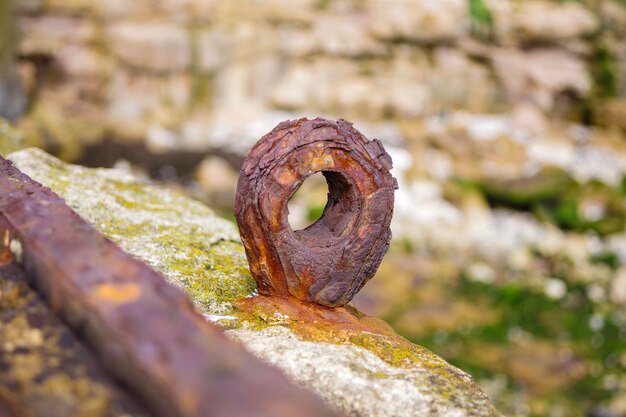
{"x":328,"y":262}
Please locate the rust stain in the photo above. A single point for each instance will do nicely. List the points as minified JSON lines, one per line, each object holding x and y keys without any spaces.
{"x":306,"y":317}
{"x":328,"y":262}
{"x":6,"y":257}
{"x":118,"y":293}
{"x":286,"y":177}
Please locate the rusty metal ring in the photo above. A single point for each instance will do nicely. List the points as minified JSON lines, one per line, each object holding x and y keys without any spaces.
{"x":328,"y":262}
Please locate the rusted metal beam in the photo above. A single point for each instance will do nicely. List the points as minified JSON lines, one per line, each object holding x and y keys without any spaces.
{"x":44,"y":366}
{"x":328,"y":262}
{"x":143,"y":329}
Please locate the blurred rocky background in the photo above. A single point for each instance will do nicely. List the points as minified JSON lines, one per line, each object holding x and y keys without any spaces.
{"x":506,"y":121}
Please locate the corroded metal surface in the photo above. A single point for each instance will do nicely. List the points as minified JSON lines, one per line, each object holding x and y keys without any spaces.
{"x":44,"y":370}
{"x":143,"y":330}
{"x":9,"y":407}
{"x":328,"y":262}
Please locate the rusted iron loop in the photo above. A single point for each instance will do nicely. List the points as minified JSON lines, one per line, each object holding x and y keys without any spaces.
{"x":328,"y":262}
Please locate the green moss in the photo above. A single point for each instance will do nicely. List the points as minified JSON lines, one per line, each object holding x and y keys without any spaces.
{"x":608,"y":258}
{"x":323,"y":4}
{"x":567,"y":210}
{"x":480,"y":18}
{"x":549,"y":183}
{"x":315,"y":212}
{"x":10,"y":139}
{"x":379,"y":375}
{"x":201,"y":91}
{"x":561,"y":323}
{"x":479,"y":12}
{"x":604,"y":72}
{"x":553,"y":196}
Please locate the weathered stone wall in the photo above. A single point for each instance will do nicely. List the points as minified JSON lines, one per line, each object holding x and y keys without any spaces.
{"x":171,"y":71}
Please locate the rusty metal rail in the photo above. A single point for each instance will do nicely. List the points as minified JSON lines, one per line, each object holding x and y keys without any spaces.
{"x":44,"y":366}
{"x":144,"y":330}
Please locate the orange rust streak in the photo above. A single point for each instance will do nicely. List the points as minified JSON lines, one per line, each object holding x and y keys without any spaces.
{"x":286,"y":177}
{"x":6,"y":257}
{"x":118,"y":293}
{"x":304,"y":315}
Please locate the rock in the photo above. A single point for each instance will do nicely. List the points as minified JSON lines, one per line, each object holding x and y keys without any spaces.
{"x":543,"y":20}
{"x":57,"y":122}
{"x":229,"y":134}
{"x":525,"y":115}
{"x":153,"y":46}
{"x":583,"y":161}
{"x":28,"y":6}
{"x":235,"y":135}
{"x":132,"y":97}
{"x":539,"y":20}
{"x":292,"y":92}
{"x":240,"y":65}
{"x":320,"y":84}
{"x":357,"y":372}
{"x":250,"y":69}
{"x":50,"y":34}
{"x":540,"y":75}
{"x":282,"y":11}
{"x":418,"y":20}
{"x":221,"y":46}
{"x":103,"y":9}
{"x":190,"y":12}
{"x":614,"y":16}
{"x":497,"y":146}
{"x":215,"y":174}
{"x":214,"y":48}
{"x":332,"y":36}
{"x":409,"y":85}
{"x":612,"y":113}
{"x":83,"y":64}
{"x":218,"y":181}
{"x":549,"y":183}
{"x":457,"y":81}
